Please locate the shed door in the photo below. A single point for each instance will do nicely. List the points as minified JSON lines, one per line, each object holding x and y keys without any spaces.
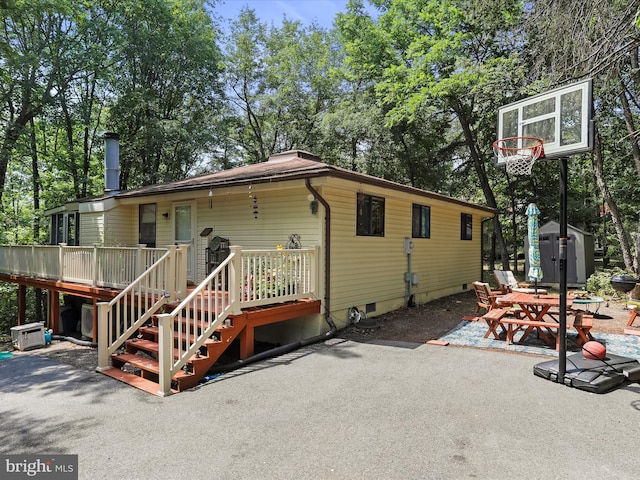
{"x":183,"y":228}
{"x":550,"y":258}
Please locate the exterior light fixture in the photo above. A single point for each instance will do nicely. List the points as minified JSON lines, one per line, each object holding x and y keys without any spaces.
{"x":313,"y":203}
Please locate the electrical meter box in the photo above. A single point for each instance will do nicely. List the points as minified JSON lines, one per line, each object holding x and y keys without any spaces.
{"x":27,"y":336}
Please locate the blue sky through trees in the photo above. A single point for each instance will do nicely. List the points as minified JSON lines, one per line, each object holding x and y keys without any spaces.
{"x":322,"y":12}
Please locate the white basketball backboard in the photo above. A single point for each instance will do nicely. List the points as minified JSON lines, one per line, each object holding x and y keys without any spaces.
{"x":562,"y":118}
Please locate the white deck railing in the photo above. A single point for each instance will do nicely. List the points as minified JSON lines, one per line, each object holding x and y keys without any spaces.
{"x":121,"y":318}
{"x":114,"y":267}
{"x":271,"y":276}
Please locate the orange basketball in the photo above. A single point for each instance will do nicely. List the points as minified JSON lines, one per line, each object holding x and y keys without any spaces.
{"x":594,"y":351}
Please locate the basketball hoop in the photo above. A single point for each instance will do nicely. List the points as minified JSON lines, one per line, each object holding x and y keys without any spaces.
{"x":519,"y":153}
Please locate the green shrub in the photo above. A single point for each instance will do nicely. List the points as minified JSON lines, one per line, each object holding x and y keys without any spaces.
{"x":600,"y":282}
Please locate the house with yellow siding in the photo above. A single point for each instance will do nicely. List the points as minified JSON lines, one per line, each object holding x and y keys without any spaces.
{"x":381,"y":245}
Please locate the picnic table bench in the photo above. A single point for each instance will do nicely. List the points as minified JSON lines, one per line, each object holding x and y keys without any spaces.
{"x":493,"y":317}
{"x":544,"y":328}
{"x":548,"y":331}
{"x":632,"y":306}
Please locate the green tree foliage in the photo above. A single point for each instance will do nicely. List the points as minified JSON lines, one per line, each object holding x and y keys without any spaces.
{"x":166,"y":88}
{"x":572,"y":40}
{"x":42,"y":53}
{"x":446,"y":61}
{"x":280,"y":85}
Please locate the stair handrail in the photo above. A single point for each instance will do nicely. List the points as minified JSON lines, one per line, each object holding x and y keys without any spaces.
{"x":210,"y":299}
{"x":121,"y":317}
{"x":254,"y":277}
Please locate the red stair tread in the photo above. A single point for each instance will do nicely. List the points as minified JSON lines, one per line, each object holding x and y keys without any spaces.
{"x":143,"y":344}
{"x":133,"y":380}
{"x":147,"y":364}
{"x":155,"y":331}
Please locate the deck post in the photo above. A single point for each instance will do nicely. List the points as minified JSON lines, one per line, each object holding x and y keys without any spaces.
{"x":61,"y":261}
{"x":139,"y":260}
{"x":181,"y":274}
{"x":247,"y":342}
{"x":54,"y":310}
{"x":170,"y":281}
{"x":22,"y":304}
{"x":234,"y":281}
{"x":165,"y":353}
{"x":94,"y":266}
{"x":103,"y":336}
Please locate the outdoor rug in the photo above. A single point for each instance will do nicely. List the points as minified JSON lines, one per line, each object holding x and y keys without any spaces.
{"x":470,"y":334}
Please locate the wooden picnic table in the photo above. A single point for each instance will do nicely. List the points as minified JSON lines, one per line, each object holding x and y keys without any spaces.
{"x":539,"y":311}
{"x":538,"y":308}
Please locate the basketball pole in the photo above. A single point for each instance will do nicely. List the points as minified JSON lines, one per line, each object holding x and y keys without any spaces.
{"x":562,"y":331}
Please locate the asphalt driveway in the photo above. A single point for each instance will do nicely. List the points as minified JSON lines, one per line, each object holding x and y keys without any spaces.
{"x":338,"y":410}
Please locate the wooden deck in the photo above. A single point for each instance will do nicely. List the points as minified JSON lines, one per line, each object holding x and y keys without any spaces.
{"x":254,"y":316}
{"x":96,"y":294}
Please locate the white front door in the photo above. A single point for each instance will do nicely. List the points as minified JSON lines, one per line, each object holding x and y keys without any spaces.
{"x":184,"y":215}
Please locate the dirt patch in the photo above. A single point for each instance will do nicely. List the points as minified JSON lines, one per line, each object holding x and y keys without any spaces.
{"x":432,"y":320}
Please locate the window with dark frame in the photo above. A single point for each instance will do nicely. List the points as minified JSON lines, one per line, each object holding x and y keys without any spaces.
{"x":421,"y":221}
{"x":370,"y":215}
{"x":147,"y":224}
{"x":65,"y":228}
{"x":466,"y":226}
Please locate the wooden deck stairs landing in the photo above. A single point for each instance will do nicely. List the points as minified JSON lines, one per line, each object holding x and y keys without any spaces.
{"x":138,"y":365}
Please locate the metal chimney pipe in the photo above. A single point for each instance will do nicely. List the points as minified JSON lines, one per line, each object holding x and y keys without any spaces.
{"x":111,"y":162}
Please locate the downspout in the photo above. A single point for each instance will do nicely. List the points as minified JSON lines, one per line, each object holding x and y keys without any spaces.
{"x":327,"y":250}
{"x":215,"y":371}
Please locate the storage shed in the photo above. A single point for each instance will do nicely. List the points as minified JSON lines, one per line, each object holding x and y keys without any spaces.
{"x":580,"y":253}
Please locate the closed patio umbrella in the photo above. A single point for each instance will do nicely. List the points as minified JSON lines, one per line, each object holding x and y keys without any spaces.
{"x":535,"y":272}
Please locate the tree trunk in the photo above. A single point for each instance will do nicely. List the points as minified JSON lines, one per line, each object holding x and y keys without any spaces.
{"x":484,"y":182}
{"x":598,"y":172}
{"x":631,"y":128}
{"x":12,"y":134}
{"x":35,"y":178}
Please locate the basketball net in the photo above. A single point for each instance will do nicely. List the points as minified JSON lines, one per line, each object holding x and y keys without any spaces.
{"x":519,"y":153}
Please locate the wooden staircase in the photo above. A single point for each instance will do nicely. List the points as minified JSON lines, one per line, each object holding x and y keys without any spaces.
{"x":138,"y":365}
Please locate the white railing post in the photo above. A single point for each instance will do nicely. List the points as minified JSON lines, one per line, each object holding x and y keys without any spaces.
{"x":181,"y":271}
{"x":61,"y":260}
{"x":314,"y":270}
{"x":103,"y":336}
{"x":139,"y":261}
{"x":165,"y":353}
{"x":169,"y":279}
{"x":94,"y":265}
{"x":235,"y":283}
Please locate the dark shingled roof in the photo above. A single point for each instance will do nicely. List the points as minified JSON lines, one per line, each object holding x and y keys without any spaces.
{"x":281,"y":167}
